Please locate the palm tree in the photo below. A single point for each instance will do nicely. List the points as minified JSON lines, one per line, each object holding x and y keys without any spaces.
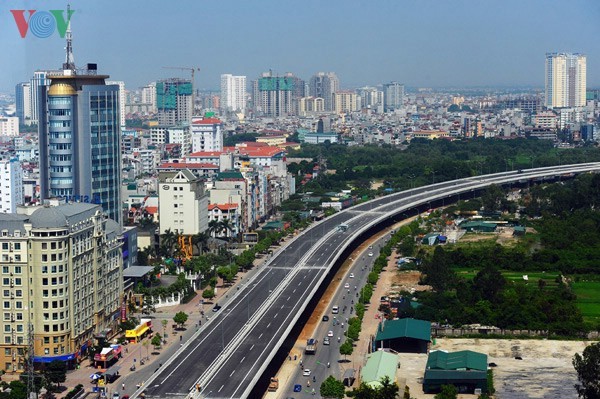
{"x":214,"y":228}
{"x":167,"y":241}
{"x":227,"y":227}
{"x":200,"y":240}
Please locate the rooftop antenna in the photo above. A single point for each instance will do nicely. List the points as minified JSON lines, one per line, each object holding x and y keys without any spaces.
{"x":69,"y":59}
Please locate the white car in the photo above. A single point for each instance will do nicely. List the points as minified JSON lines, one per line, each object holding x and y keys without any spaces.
{"x":347,"y":285}
{"x":306,"y":373}
{"x":351,"y":275}
{"x":330,"y":333}
{"x":370,"y":253}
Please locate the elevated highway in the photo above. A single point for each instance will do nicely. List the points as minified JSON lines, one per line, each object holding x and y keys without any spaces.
{"x":228,"y":356}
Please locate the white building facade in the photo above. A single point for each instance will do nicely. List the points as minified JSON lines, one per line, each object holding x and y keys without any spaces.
{"x":183,"y":203}
{"x":207,"y":135}
{"x":11,"y":185}
{"x":233,"y":93}
{"x":565,"y":80}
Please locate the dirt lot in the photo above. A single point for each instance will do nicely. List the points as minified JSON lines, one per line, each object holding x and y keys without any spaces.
{"x":544,"y":372}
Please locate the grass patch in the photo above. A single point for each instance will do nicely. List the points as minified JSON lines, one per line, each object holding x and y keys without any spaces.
{"x":588,"y":299}
{"x":513,"y":276}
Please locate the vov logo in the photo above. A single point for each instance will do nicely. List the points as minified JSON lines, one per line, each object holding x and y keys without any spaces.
{"x":42,"y":24}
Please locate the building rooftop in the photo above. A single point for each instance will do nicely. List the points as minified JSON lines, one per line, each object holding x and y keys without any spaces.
{"x":379,"y":365}
{"x":404,"y":328}
{"x":461,"y":360}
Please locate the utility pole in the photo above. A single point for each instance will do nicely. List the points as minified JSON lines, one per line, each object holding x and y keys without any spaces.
{"x":31,"y":391}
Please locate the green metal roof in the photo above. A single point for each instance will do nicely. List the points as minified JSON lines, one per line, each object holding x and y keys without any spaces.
{"x":404,"y":328}
{"x":461,"y":360}
{"x":230,"y":174}
{"x":379,"y":365}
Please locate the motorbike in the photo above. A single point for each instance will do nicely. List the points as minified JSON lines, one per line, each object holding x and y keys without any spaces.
{"x":132,"y":368}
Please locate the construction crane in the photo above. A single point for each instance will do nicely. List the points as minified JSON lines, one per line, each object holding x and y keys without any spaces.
{"x":193,"y":71}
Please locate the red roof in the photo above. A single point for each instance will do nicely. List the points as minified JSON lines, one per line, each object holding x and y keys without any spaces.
{"x":206,"y":154}
{"x":223,"y":207}
{"x":190,"y":165}
{"x":207,"y":121}
{"x":151,"y":209}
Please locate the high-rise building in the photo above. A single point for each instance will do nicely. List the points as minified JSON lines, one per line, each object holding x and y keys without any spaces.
{"x":207,"y":135}
{"x":345,"y":101}
{"x":149,"y":96}
{"x":12,"y":194}
{"x":23,"y":102}
{"x":80,"y":137}
{"x":174,"y":101}
{"x":233,"y":93}
{"x":61,"y":274}
{"x":393,"y":95}
{"x":122,"y":100}
{"x":38,"y":81}
{"x":183,"y":205}
{"x":565,"y":80}
{"x":272,"y":95}
{"x":324,"y":85}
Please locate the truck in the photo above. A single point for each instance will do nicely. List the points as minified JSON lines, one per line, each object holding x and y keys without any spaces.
{"x":274,"y":384}
{"x":311,"y":347}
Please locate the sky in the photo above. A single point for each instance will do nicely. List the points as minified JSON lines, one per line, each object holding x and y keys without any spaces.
{"x":421,"y":43}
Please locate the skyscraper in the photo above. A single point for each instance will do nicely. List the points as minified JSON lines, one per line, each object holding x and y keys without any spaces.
{"x":80,"y":137}
{"x":393,"y":95}
{"x":122,"y":101}
{"x":174,"y":102}
{"x":272,"y":95}
{"x":324,"y":85}
{"x":12,"y":194}
{"x":38,"y":81}
{"x":565,"y":80}
{"x":23,"y":102}
{"x":233,"y":93}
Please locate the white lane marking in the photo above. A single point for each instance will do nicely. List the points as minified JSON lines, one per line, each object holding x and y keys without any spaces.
{"x":232,"y":373}
{"x":252,"y":347}
{"x":222,"y":386}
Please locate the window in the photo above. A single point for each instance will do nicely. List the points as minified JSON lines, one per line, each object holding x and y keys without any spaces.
{"x":5,"y":246}
{"x":44,"y":245}
{"x":6,"y":305}
{"x":44,"y":269}
{"x":6,"y":316}
{"x":53,"y":268}
{"x":18,"y":293}
{"x":53,"y":257}
{"x":5,"y":269}
{"x":19,"y":304}
{"x":18,"y":246}
{"x":46,"y":340}
{"x":18,"y":281}
{"x":18,"y":269}
{"x":19,"y":327}
{"x":7,"y":352}
{"x":7,"y":340}
{"x":6,"y":281}
{"x":6,"y":293}
{"x":17,"y":258}
{"x":44,"y":258}
{"x":7,"y":328}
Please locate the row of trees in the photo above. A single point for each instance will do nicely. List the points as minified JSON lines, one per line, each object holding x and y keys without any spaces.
{"x":425,"y":161}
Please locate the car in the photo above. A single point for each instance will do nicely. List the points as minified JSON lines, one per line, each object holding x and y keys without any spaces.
{"x":306,"y":373}
{"x":351,"y":275}
{"x":326,"y":341}
{"x":347,"y":285}
{"x":335,"y":310}
{"x":116,"y":395}
{"x":216,"y":308}
{"x":370,"y":253}
{"x":330,"y":333}
{"x":325,"y":318}
{"x":370,"y":247}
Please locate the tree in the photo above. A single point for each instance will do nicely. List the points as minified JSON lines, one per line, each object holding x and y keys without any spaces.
{"x":18,"y":390}
{"x":148,"y":307}
{"x":56,"y":372}
{"x":332,"y":388}
{"x":388,"y":389}
{"x":588,"y":372}
{"x":200,"y":240}
{"x":164,"y":325}
{"x":156,"y":341}
{"x":447,"y":392}
{"x":168,"y":240}
{"x":346,"y":348}
{"x":208,"y":293}
{"x":180,"y":318}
